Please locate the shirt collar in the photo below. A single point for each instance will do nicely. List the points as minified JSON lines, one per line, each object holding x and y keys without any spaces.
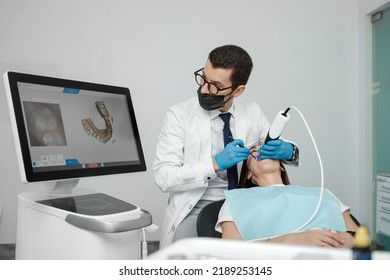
{"x":215,"y":113}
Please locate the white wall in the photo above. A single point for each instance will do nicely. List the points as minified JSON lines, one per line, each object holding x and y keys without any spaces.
{"x":305,"y":54}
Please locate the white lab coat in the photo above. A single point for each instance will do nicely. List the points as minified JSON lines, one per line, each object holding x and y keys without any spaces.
{"x":183,"y":163}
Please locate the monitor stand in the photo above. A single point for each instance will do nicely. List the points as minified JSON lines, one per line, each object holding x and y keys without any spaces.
{"x":61,"y":188}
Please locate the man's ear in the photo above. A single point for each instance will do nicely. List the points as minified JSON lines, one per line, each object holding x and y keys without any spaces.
{"x":249,"y":175}
{"x":239,"y":90}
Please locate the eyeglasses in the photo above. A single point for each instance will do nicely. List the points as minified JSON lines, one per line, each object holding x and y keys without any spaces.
{"x":213,"y":88}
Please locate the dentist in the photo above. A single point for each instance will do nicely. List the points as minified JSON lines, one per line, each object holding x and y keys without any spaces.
{"x":192,"y":159}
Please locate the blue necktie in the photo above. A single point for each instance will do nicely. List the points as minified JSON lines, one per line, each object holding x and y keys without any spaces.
{"x":227,"y":138}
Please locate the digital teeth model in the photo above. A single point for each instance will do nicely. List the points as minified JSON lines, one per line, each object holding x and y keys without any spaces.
{"x":102,"y":135}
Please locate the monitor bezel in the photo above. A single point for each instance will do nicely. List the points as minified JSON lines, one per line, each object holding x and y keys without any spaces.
{"x":27,"y":173}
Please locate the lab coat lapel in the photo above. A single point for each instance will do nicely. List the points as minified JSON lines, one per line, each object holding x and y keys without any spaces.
{"x":240,"y":122}
{"x":204,"y":129}
{"x":240,"y":126}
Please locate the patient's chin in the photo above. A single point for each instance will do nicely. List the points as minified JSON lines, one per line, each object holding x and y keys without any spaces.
{"x":269,"y":164}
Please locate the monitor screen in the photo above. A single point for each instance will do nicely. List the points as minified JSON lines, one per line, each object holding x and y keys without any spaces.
{"x":66,"y":129}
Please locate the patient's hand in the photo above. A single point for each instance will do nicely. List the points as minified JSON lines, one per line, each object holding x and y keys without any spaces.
{"x":320,"y":238}
{"x":346,"y":238}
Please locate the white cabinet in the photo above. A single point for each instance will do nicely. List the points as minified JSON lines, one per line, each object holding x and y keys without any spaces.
{"x":383,"y":204}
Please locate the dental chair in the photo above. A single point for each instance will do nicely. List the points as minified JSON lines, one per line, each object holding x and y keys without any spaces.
{"x":208,"y":217}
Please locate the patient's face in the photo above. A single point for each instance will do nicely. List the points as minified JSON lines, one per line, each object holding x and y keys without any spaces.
{"x":261,"y":165}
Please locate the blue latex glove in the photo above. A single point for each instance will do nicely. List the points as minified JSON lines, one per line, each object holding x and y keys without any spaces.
{"x":233,"y":153}
{"x":276,"y":149}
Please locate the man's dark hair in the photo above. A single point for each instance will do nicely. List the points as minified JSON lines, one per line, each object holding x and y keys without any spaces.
{"x":235,"y":58}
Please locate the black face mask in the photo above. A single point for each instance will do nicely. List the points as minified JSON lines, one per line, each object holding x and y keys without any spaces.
{"x":211,"y":102}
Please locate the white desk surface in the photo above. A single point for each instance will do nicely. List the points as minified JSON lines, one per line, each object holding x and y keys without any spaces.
{"x":219,"y":249}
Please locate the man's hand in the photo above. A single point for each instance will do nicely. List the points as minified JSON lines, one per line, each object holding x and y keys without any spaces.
{"x":276,"y":149}
{"x":233,"y":153}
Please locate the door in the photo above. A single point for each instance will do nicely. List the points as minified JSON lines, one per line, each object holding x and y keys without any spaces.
{"x":381,"y":103}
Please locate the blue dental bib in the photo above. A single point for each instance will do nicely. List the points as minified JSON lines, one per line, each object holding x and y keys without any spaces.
{"x":262,"y":212}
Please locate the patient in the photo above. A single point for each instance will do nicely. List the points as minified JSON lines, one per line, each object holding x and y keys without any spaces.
{"x":273,"y":210}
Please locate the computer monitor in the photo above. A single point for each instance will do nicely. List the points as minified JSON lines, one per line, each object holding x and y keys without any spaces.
{"x":66,"y":129}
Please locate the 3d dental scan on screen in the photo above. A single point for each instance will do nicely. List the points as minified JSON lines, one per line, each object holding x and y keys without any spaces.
{"x":65,"y":130}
